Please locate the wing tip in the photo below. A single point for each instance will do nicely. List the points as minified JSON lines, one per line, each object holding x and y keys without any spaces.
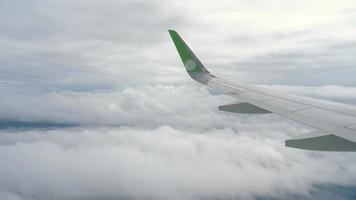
{"x":190,"y":61}
{"x":172,"y":32}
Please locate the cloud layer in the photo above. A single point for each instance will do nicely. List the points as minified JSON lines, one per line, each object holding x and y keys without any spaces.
{"x":162,"y":142}
{"x":161,"y":163}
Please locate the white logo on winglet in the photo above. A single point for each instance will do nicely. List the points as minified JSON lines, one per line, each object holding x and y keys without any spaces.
{"x":190,"y":65}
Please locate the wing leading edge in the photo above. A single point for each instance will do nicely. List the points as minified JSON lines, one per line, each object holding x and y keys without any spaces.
{"x":335,"y":123}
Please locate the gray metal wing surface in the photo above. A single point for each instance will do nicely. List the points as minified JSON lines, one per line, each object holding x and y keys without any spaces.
{"x":335,"y":123}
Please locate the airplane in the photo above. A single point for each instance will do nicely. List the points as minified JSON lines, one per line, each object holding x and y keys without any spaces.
{"x":334,"y":123}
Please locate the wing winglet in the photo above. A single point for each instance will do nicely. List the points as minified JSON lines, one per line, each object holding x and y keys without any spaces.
{"x":191,"y":62}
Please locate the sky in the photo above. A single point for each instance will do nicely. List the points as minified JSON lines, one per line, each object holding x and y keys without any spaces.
{"x":96,"y":104}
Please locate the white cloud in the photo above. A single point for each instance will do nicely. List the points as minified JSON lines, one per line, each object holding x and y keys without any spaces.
{"x":116,"y":44}
{"x":160,"y":163}
{"x":141,"y":106}
{"x":173,"y":145}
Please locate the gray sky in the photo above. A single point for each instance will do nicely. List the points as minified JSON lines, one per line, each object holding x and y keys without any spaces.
{"x":95,"y":103}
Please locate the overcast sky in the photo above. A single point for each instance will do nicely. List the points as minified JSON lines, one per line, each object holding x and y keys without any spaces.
{"x":96,"y":104}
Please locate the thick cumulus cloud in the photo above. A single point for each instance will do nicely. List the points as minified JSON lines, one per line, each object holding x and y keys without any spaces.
{"x":146,"y":106}
{"x":95,"y":104}
{"x":157,"y":142}
{"x":160,"y":163}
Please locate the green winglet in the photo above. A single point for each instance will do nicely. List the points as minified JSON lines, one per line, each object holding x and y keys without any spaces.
{"x":192,"y":64}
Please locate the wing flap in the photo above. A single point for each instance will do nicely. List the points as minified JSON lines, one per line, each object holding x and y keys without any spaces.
{"x":243,"y":108}
{"x":320,"y":141}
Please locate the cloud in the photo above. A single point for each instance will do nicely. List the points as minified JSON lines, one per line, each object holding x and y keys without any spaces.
{"x":159,"y":142}
{"x":94,"y":45}
{"x":160,"y":163}
{"x":169,"y":104}
{"x":176,"y":106}
{"x":90,"y":45}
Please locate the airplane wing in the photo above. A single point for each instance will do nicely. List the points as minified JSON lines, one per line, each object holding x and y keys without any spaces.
{"x":335,"y":123}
